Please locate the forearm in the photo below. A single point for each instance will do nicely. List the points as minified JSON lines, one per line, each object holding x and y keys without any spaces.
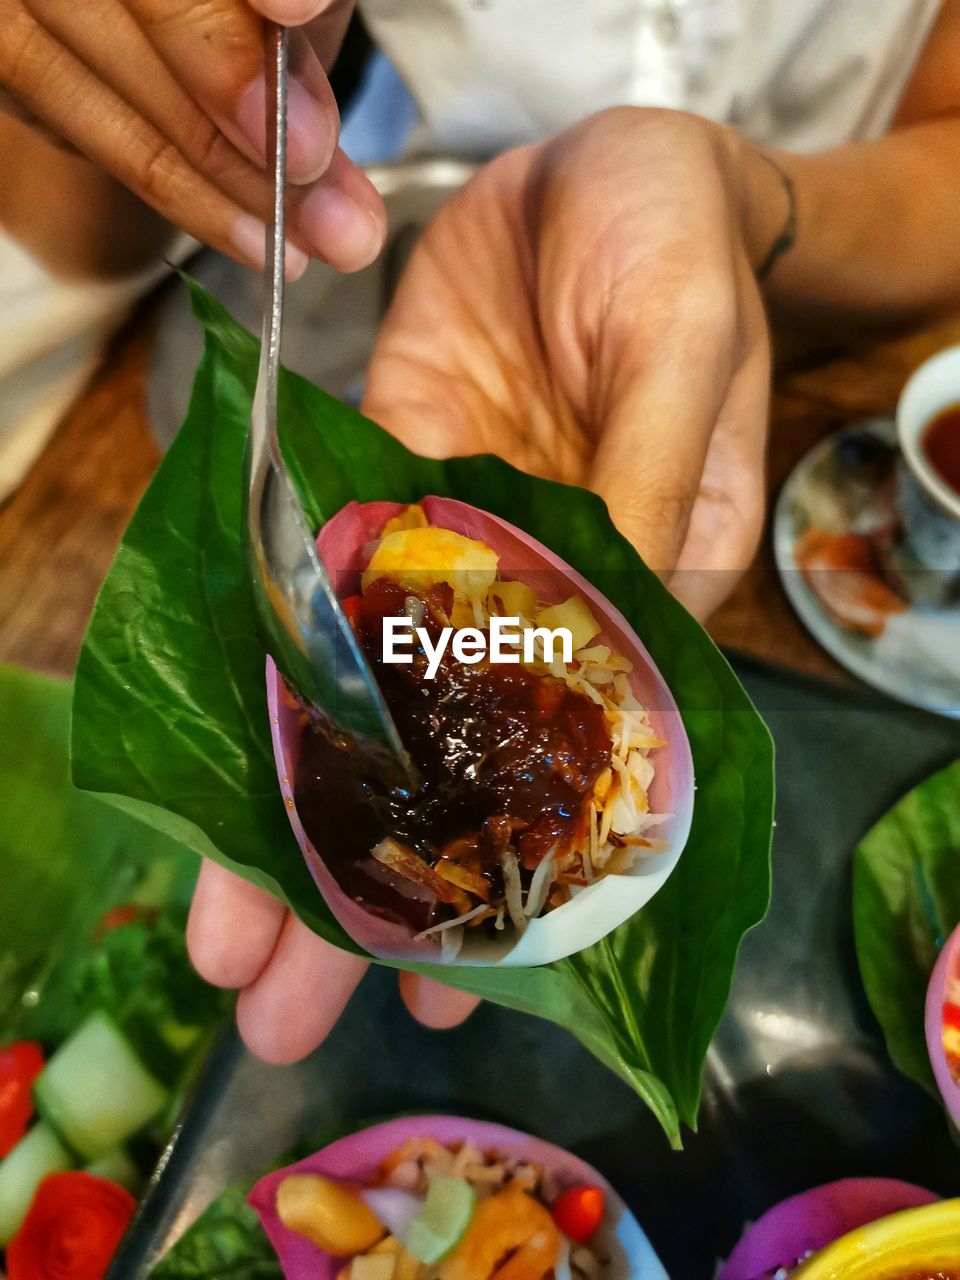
{"x":877,"y":227}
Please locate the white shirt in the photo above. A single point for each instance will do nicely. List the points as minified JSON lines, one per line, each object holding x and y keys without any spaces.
{"x":800,"y":74}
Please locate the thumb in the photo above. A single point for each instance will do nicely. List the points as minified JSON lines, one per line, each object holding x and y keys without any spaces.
{"x":656,"y":417}
{"x":682,"y":455}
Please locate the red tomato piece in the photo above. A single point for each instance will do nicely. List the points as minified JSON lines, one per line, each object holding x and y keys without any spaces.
{"x":951,"y":1016}
{"x":72,"y":1229}
{"x":578,"y":1212}
{"x":351,"y":607}
{"x":20,"y":1064}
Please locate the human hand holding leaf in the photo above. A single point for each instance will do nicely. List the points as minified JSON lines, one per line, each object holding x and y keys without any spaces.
{"x":560,"y":313}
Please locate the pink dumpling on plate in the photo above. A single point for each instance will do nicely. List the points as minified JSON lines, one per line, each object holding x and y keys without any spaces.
{"x":355,"y":1159}
{"x":344,"y":545}
{"x":805,"y":1223}
{"x":942,"y":1024}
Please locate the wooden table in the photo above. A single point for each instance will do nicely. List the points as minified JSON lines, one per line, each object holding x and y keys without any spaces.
{"x":58,"y":533}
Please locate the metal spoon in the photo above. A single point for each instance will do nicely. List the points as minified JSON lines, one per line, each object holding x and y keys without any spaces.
{"x":303,"y":626}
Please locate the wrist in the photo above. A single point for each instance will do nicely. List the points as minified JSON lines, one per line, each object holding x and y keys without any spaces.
{"x":767,"y":203}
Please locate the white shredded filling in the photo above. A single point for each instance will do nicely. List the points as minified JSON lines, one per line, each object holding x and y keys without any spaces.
{"x":451,"y":940}
{"x":449,"y":924}
{"x":513,"y":889}
{"x":540,"y":885}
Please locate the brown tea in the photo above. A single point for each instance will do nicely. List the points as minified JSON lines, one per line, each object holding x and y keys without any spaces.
{"x":941,"y":445}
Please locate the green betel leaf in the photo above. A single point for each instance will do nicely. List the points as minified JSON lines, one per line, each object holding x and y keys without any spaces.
{"x":170,"y":711}
{"x":906,"y":902}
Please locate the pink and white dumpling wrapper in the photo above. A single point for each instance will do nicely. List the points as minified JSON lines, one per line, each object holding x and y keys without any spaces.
{"x":356,"y":1158}
{"x":944,"y":989}
{"x":806,"y":1223}
{"x":345,"y":544}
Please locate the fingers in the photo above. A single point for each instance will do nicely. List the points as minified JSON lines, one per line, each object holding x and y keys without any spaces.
{"x":294,"y":13}
{"x":232,"y":928}
{"x":435,"y":1005}
{"x":215,"y":50}
{"x":660,"y":409}
{"x":727,"y":518}
{"x":293,"y":985}
{"x":290,"y":1008}
{"x":172,"y":105}
{"x":341,"y":218}
{"x":195,"y":179}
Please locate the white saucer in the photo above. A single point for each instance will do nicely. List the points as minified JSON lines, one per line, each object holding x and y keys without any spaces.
{"x":841,"y":495}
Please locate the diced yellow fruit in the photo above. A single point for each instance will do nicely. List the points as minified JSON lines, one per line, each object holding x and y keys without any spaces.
{"x":420,"y":558}
{"x":373,"y":1266}
{"x":574,"y":616}
{"x":405,"y":1265}
{"x":412,"y":517}
{"x":389,"y":1244}
{"x":328,"y":1214}
{"x":512,"y":600}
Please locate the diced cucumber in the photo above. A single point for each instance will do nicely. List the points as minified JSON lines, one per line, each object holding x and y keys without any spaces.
{"x":38,"y":1153}
{"x":95,"y":1091}
{"x":117,"y":1166}
{"x":442,"y":1225}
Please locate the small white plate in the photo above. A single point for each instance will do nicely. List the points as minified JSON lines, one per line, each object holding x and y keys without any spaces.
{"x":843,"y":489}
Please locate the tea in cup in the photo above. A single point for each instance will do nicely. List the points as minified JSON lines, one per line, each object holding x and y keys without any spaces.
{"x":928,"y":484}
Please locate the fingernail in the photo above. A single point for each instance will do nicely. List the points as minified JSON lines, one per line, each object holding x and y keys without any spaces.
{"x":341,"y":230}
{"x":311,"y":133}
{"x":292,"y":13}
{"x":249,"y":236}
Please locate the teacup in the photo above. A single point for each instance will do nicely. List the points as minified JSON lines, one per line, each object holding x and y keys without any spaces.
{"x":928,"y":505}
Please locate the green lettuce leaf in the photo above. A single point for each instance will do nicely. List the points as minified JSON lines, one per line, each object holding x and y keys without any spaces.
{"x":170,"y":711}
{"x":67,"y":858}
{"x":906,"y":902}
{"x":226,"y":1241}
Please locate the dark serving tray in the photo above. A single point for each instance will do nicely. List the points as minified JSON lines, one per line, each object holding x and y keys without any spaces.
{"x":798,"y":1087}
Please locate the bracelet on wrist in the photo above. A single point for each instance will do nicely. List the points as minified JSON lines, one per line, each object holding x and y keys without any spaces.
{"x":788,"y":234}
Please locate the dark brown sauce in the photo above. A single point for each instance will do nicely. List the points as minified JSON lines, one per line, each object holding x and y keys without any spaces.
{"x":507,"y":757}
{"x":941,"y":444}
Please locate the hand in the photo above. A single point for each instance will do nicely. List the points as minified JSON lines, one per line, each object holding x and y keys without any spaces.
{"x":168,"y":96}
{"x":293,"y":986}
{"x":587,"y":309}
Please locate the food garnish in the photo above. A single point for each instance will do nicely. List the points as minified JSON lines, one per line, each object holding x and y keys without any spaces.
{"x":450,"y":1212}
{"x":20,"y":1064}
{"x":447,"y":1213}
{"x":578,"y":1212}
{"x":329,"y":1214}
{"x":534,"y":775}
{"x":72,"y":1229}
